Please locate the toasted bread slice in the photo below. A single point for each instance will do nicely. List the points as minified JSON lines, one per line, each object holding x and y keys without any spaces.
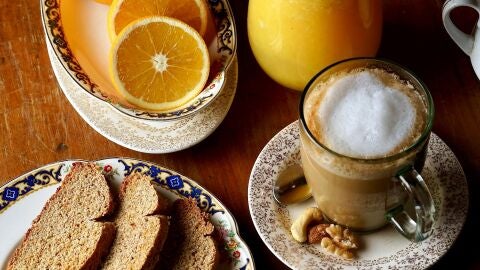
{"x":140,"y":232}
{"x":66,"y":234}
{"x":190,"y":244}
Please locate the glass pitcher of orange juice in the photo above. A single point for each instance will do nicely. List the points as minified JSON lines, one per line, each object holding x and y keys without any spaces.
{"x":294,"y":39}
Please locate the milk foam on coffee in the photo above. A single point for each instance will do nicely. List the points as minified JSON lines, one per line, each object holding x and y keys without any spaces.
{"x":366,"y":113}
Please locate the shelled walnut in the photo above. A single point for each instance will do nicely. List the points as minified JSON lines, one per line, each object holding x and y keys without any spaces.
{"x":330,"y":246}
{"x":342,"y":237}
{"x":334,"y":238}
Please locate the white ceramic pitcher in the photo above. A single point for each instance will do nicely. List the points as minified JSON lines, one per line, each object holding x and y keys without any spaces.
{"x":470,"y":44}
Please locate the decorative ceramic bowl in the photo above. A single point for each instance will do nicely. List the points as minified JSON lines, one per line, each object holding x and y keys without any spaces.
{"x":77,"y":30}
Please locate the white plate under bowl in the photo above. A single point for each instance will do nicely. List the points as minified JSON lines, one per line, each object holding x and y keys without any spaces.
{"x":383,"y":249}
{"x":77,"y":31}
{"x":22,"y":199}
{"x":147,"y":136}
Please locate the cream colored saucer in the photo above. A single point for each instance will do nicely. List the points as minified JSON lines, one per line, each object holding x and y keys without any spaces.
{"x":146,"y":136}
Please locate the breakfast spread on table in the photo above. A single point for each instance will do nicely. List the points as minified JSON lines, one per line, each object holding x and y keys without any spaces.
{"x":360,"y":145}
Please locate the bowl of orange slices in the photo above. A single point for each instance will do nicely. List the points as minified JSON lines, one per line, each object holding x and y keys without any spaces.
{"x":150,"y":59}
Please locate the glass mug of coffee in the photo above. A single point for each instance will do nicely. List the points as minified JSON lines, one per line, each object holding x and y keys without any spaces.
{"x":364,"y":129}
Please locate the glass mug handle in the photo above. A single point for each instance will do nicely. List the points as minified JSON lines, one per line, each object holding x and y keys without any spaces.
{"x":422,"y":227}
{"x":464,"y":41}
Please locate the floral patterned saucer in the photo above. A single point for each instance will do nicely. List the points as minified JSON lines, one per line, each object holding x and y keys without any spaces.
{"x":22,"y":199}
{"x":147,"y":136}
{"x":383,"y":249}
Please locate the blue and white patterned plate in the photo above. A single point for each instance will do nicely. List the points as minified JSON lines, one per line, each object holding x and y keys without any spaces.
{"x":22,"y":199}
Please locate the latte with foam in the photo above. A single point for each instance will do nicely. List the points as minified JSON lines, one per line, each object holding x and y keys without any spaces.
{"x":365,"y":113}
{"x":356,"y":126}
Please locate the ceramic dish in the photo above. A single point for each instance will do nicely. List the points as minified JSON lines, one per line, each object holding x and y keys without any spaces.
{"x":383,"y":249}
{"x":22,"y":199}
{"x":77,"y":30}
{"x":147,"y":136}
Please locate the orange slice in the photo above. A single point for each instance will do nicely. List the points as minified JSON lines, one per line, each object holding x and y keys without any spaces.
{"x":123,"y":12}
{"x":159,"y":63}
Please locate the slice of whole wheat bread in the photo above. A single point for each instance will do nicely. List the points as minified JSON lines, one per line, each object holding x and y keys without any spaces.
{"x":66,"y":234}
{"x":141,"y":233}
{"x":190,"y":244}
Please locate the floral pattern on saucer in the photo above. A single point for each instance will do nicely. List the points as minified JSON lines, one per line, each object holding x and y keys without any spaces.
{"x":143,"y":135}
{"x":383,"y":249}
{"x":236,"y":254}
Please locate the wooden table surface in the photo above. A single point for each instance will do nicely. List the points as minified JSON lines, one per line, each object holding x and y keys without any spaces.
{"x":39,"y":126}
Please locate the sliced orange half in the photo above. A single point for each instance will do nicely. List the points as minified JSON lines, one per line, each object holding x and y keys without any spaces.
{"x":159,"y":63}
{"x":123,"y":12}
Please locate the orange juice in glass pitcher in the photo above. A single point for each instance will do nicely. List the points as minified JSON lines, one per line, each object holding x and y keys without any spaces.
{"x":293,"y":39}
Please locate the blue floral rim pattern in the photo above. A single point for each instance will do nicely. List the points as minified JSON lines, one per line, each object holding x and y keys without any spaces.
{"x":27,"y":184}
{"x":174,"y":182}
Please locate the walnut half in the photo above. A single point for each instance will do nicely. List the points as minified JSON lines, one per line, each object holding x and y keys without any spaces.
{"x":334,"y":238}
{"x":331,"y":247}
{"x":342,"y":237}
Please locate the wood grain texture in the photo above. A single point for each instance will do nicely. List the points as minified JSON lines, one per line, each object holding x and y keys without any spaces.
{"x":39,"y":126}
